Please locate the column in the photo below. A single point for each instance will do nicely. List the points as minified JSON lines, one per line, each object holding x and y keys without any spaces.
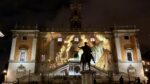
{"x":13,"y":48}
{"x":34,"y":43}
{"x":117,"y":43}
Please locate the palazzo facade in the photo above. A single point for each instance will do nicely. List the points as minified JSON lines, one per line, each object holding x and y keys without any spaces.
{"x":57,"y":53}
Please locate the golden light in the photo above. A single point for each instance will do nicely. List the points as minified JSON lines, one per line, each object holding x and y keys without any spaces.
{"x":104,"y":41}
{"x":5,"y":71}
{"x":49,"y":60}
{"x":148,"y":63}
{"x":76,"y":39}
{"x":84,"y":39}
{"x":143,"y":62}
{"x":146,"y":70}
{"x":99,"y":43}
{"x":48,"y":37}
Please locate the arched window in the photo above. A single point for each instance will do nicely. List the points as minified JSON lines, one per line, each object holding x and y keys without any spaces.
{"x":22,"y":55}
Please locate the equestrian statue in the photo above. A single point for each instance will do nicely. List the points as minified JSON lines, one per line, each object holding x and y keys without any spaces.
{"x":86,"y":56}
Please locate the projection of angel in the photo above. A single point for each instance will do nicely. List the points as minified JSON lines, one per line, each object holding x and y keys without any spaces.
{"x":65,"y":48}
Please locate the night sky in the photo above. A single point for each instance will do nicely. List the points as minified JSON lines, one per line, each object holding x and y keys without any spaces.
{"x":55,"y":12}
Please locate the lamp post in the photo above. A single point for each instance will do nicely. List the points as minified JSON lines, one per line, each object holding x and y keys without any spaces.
{"x":29,"y":77}
{"x":128,"y":75}
{"x":1,"y":34}
{"x":5,"y":73}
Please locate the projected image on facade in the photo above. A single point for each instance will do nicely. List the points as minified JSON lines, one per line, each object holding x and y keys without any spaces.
{"x":57,"y":54}
{"x":59,"y":48}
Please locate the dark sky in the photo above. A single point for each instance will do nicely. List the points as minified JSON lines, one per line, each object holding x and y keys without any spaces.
{"x":94,"y":12}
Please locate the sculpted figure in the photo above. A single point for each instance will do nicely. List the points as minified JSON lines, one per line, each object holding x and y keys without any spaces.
{"x":86,"y":56}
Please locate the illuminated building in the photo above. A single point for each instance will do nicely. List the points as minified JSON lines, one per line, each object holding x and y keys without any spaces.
{"x":38,"y":53}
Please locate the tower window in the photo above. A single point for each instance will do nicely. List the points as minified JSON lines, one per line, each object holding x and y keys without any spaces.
{"x":22,"y":55}
{"x":75,"y":12}
{"x":126,"y":37}
{"x":24,"y":38}
{"x":75,"y":24}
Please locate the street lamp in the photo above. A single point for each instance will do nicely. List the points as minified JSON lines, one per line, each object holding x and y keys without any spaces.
{"x":5,"y":73}
{"x":29,"y":77}
{"x":146,"y":70}
{"x":1,"y":34}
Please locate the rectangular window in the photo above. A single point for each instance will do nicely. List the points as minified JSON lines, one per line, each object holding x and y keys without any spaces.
{"x":24,"y":38}
{"x":92,"y":39}
{"x":59,"y":39}
{"x":22,"y":55}
{"x":76,"y":39}
{"x":129,"y":56}
{"x":126,"y":37}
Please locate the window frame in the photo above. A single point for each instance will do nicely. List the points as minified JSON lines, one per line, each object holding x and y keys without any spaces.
{"x":59,"y":39}
{"x":126,"y":37}
{"x":129,"y":51}
{"x":76,"y":39}
{"x":25,"y":55}
{"x":22,"y":38}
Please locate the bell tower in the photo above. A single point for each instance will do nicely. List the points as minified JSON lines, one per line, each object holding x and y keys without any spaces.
{"x":75,"y":16}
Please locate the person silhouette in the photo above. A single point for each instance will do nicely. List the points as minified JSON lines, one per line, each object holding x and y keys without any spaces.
{"x":86,"y":48}
{"x":86,"y":56}
{"x":121,"y":80}
{"x":138,"y":80}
